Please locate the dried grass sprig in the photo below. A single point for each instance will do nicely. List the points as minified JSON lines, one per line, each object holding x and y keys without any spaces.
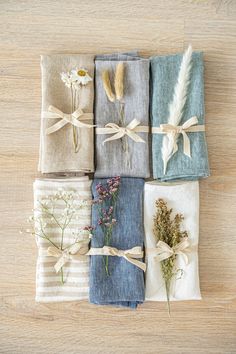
{"x":169,"y":231}
{"x":176,"y":107}
{"x":107,"y":86}
{"x":119,"y":81}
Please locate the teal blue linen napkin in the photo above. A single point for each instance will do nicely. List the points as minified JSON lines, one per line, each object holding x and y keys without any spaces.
{"x":164,"y":75}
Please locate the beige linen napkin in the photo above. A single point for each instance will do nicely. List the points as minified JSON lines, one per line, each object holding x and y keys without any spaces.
{"x":56,"y":149}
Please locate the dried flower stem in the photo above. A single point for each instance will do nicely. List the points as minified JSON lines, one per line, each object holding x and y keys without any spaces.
{"x":119,"y":90}
{"x":106,"y":203}
{"x":107,"y":86}
{"x":176,"y":107}
{"x":168,"y":231}
{"x":119,"y":81}
{"x":74,"y":129}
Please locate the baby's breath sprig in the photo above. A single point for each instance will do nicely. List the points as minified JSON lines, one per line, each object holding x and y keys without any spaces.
{"x":168,"y":230}
{"x":47,"y":213}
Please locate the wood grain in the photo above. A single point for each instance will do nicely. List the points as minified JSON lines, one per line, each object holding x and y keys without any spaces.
{"x":30,"y":28}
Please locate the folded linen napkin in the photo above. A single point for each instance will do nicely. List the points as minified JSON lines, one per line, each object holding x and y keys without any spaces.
{"x":71,"y":92}
{"x":183,"y":197}
{"x":172,"y":77}
{"x":125,"y":284}
{"x":71,"y":196}
{"x":112,"y":158}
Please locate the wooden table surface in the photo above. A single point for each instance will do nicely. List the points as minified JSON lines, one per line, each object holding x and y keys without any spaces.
{"x":30,"y":28}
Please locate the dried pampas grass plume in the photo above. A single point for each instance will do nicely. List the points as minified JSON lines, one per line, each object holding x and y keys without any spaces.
{"x":107,"y":86}
{"x":119,"y":81}
{"x":176,"y":106}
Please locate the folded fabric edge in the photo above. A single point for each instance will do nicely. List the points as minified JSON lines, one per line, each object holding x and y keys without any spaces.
{"x":195,"y":298}
{"x":56,"y":298}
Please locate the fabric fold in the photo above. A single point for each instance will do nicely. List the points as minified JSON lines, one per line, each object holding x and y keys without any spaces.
{"x":125,"y":284}
{"x":67,"y":256}
{"x":183,"y":197}
{"x":190,"y":158}
{"x":112,"y":158}
{"x":75,"y":102}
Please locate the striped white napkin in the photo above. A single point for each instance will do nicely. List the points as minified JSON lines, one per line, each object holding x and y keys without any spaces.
{"x":76,"y":271}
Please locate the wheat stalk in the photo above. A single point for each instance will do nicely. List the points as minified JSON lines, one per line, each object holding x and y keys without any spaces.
{"x":119,"y":81}
{"x":176,"y":107}
{"x":107,"y":86}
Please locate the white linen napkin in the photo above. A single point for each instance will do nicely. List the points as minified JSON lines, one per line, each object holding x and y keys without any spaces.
{"x":183,"y":197}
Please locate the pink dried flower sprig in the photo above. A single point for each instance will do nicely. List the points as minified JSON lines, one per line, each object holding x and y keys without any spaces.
{"x":106,"y":202}
{"x":109,"y":191}
{"x":106,"y":217}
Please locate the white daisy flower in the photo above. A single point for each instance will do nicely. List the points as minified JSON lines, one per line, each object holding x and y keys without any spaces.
{"x":81,"y":76}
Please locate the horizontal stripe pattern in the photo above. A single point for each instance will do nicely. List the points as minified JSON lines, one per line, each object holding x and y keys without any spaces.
{"x":76,"y":271}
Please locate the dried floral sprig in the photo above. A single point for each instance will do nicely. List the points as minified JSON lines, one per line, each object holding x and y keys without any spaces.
{"x":119,"y":81}
{"x":168,"y":230}
{"x":117,"y":98}
{"x":106,"y":203}
{"x":176,"y":107}
{"x":75,"y":80}
{"x":107,"y":86}
{"x":46,"y":209}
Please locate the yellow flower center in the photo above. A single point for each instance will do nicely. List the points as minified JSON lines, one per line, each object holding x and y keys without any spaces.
{"x":81,"y":72}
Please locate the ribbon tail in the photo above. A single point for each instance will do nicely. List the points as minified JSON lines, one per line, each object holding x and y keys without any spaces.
{"x":186,"y":142}
{"x":55,"y":110}
{"x":133,"y":124}
{"x":60,"y":263}
{"x":57,"y":126}
{"x":185,"y":257}
{"x":135,"y":137}
{"x":80,"y":124}
{"x":163,"y":255}
{"x":135,"y":262}
{"x":114,"y":137}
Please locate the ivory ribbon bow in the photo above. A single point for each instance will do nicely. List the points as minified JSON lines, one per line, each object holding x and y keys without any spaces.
{"x":130,"y":130}
{"x":130,"y":255}
{"x":68,"y":254}
{"x":187,"y":127}
{"x":164,"y":251}
{"x":74,"y":119}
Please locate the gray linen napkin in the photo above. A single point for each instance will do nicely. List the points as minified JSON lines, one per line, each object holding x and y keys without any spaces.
{"x":111,"y":159}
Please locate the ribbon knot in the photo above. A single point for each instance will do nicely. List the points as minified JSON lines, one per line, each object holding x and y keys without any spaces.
{"x":164,"y":251}
{"x":182,"y":129}
{"x":73,"y":252}
{"x":172,"y":130}
{"x":119,"y":132}
{"x":179,"y":130}
{"x":74,"y":119}
{"x":120,"y":253}
{"x":131,"y":255}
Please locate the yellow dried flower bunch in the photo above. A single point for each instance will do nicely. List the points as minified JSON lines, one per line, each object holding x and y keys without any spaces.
{"x":168,"y":230}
